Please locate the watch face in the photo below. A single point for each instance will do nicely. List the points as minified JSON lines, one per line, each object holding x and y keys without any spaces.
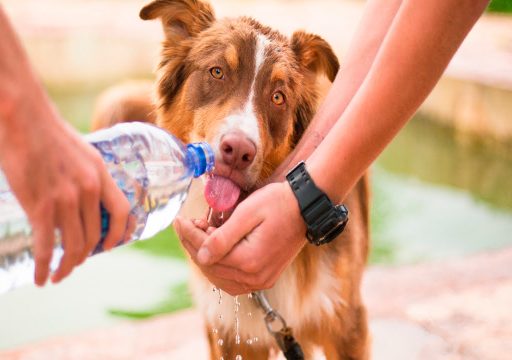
{"x":327,"y":229}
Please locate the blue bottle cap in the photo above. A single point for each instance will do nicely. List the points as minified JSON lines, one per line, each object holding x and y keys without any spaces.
{"x":201,"y":157}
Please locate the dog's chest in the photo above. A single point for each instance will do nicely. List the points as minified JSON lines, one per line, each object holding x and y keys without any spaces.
{"x":297,"y":307}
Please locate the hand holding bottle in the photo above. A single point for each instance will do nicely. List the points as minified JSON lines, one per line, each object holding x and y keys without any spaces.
{"x":59,"y":180}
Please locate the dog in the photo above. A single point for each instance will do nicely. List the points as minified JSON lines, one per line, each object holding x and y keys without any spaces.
{"x":251,"y":92}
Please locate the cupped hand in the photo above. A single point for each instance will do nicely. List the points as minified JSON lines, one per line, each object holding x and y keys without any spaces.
{"x":59,"y":181}
{"x":254,"y":246}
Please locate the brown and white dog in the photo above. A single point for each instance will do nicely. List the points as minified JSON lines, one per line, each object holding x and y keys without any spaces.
{"x":251,"y":92}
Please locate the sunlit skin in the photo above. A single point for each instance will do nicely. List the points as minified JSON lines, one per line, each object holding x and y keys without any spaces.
{"x":58,"y":178}
{"x":392,"y":65}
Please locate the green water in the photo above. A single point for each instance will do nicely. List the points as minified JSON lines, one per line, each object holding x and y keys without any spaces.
{"x":439,"y":195}
{"x":435,"y":196}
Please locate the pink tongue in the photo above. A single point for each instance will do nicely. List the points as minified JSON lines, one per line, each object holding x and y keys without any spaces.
{"x":221,"y":193}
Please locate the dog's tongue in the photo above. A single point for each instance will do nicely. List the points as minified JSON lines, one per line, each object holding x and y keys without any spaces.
{"x":221,"y":193}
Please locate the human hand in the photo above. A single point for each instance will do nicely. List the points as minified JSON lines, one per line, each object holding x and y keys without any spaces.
{"x":192,"y":234}
{"x":254,"y":246}
{"x":59,"y":181}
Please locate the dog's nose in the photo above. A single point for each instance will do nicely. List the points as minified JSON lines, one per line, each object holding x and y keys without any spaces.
{"x":237,"y":150}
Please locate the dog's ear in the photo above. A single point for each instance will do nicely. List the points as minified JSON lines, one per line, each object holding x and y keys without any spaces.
{"x":315,"y":54}
{"x":181,"y":19}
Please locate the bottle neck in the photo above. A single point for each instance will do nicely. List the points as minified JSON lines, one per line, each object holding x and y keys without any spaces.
{"x":200,"y":158}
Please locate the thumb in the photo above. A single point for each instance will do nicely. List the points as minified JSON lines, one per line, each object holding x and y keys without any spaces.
{"x":220,"y":242}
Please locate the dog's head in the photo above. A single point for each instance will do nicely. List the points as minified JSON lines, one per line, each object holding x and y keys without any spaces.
{"x":246,"y":89}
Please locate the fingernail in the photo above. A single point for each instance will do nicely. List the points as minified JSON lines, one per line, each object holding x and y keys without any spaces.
{"x":203,"y":256}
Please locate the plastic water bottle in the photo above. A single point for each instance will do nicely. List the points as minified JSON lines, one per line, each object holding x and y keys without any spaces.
{"x":153,"y":169}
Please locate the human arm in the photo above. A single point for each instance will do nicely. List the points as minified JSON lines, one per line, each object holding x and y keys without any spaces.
{"x":418,"y":47}
{"x":58,"y":179}
{"x":366,"y":42}
{"x":419,"y":43}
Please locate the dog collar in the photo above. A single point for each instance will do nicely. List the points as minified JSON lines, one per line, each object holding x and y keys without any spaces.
{"x":324,"y":220}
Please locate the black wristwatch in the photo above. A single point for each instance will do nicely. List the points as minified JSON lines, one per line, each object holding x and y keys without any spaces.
{"x":324,"y":220}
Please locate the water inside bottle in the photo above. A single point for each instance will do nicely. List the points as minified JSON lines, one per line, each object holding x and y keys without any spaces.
{"x":155,"y":186}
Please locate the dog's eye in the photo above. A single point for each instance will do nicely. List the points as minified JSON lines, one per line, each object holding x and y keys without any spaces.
{"x":278,"y":98}
{"x":217,"y":73}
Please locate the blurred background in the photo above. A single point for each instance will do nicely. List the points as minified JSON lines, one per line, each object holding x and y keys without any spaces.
{"x":442,"y":191}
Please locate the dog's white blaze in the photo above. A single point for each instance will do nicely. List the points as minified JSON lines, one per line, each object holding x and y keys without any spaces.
{"x":246,"y":120}
{"x":248,"y":109}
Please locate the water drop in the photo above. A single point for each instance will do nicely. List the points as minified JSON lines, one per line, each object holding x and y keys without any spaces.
{"x":215,"y":330}
{"x":249,"y":295}
{"x":209,"y":217}
{"x":255,"y":339}
{"x":238,"y":357}
{"x":249,"y":314}
{"x":249,"y":341}
{"x":220,"y":342}
{"x":237,"y":321}
{"x":221,"y":358}
{"x":220,"y":317}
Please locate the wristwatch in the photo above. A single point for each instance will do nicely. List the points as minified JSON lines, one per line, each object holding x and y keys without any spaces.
{"x":324,"y":220}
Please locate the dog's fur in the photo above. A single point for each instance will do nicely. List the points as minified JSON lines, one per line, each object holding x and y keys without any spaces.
{"x":319,"y":293}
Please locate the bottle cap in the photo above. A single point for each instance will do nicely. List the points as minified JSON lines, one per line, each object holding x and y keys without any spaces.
{"x":201,"y":157}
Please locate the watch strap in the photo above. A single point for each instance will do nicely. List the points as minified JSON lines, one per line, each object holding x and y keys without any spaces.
{"x":305,"y":190}
{"x":324,"y":220}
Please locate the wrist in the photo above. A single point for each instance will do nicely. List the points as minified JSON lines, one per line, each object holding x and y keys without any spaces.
{"x":24,"y":116}
{"x":293,"y":206}
{"x":324,"y":220}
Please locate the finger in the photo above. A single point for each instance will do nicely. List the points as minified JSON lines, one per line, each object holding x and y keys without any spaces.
{"x":188,"y":231}
{"x":191,"y":250}
{"x":91,"y":219}
{"x":201,"y":223}
{"x":118,"y":207}
{"x":232,"y":287}
{"x":221,"y":241}
{"x":44,"y":239}
{"x":130,"y":228}
{"x":72,"y":235}
{"x":218,"y":270}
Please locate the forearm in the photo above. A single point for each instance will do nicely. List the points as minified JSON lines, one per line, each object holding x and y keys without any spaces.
{"x":370,"y":33}
{"x":419,"y":45}
{"x":18,"y":84}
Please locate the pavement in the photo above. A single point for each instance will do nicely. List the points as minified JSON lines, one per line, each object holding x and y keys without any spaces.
{"x":457,"y":309}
